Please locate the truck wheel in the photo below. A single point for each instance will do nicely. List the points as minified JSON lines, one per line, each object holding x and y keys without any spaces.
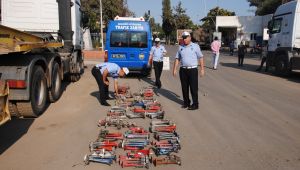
{"x":72,"y":77}
{"x":77,"y":67}
{"x":79,"y":62}
{"x":81,"y":65}
{"x":38,"y":95}
{"x":281,"y":67}
{"x":55,"y":91}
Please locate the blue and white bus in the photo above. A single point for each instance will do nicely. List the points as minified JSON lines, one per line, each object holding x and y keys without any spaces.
{"x":128,"y":43}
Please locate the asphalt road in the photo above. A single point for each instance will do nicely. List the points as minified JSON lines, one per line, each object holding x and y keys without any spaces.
{"x":247,"y":120}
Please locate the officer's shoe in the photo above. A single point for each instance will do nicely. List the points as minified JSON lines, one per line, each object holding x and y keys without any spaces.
{"x":108,"y":98}
{"x":185,"y":106}
{"x":193,"y":107}
{"x":105,"y":104}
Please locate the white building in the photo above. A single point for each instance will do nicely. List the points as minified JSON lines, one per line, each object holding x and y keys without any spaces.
{"x":242,"y":28}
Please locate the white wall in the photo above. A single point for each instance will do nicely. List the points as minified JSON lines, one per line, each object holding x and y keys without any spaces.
{"x":227,"y":21}
{"x":87,"y":40}
{"x":246,"y":25}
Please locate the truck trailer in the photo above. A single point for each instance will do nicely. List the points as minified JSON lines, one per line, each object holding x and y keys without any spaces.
{"x":284,"y":39}
{"x":40,"y":45}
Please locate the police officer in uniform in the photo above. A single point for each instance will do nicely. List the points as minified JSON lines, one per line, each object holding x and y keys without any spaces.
{"x":189,"y":56}
{"x":156,"y":55}
{"x":101,"y":72}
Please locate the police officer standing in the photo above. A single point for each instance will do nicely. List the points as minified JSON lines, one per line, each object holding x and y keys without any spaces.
{"x":101,"y":72}
{"x":189,"y":56}
{"x":156,"y":55}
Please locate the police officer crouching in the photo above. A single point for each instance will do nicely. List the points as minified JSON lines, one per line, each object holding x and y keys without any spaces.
{"x":101,"y":72}
{"x":156,"y":54}
{"x":189,"y":56}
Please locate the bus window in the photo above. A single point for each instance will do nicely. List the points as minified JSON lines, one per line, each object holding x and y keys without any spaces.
{"x":118,"y":39}
{"x":138,"y":39}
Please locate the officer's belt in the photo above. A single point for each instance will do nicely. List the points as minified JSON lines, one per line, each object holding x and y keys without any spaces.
{"x":189,"y":67}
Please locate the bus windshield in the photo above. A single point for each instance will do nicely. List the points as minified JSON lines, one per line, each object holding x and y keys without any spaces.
{"x":128,"y":39}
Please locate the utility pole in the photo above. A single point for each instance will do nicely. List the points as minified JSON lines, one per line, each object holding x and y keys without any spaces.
{"x":101,"y":26}
{"x":205,"y":10}
{"x":216,"y":29}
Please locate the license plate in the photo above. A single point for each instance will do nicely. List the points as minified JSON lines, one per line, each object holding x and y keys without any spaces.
{"x":118,"y":56}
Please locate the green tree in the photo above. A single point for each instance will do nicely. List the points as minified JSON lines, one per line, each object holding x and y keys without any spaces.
{"x":110,"y":9}
{"x":151,"y":21}
{"x":264,"y":7}
{"x":90,"y":14}
{"x":182,"y":20}
{"x":147,"y":16}
{"x":209,"y":22}
{"x":168,"y":23}
{"x":155,"y":27}
{"x":113,"y":8}
{"x":159,"y":31}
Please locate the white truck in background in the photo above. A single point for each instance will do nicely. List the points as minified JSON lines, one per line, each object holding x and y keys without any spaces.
{"x":40,"y":45}
{"x":284,"y":42}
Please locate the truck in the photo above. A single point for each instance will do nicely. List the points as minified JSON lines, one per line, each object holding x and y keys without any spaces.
{"x":40,"y":46}
{"x":128,"y":43}
{"x":283,"y":50}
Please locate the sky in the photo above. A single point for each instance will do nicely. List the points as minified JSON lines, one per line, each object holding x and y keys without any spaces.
{"x":196,"y":9}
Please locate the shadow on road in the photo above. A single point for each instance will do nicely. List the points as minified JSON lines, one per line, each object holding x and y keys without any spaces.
{"x":12,"y":131}
{"x":248,"y":67}
{"x":164,"y":92}
{"x":96,"y":94}
{"x":293,"y":77}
